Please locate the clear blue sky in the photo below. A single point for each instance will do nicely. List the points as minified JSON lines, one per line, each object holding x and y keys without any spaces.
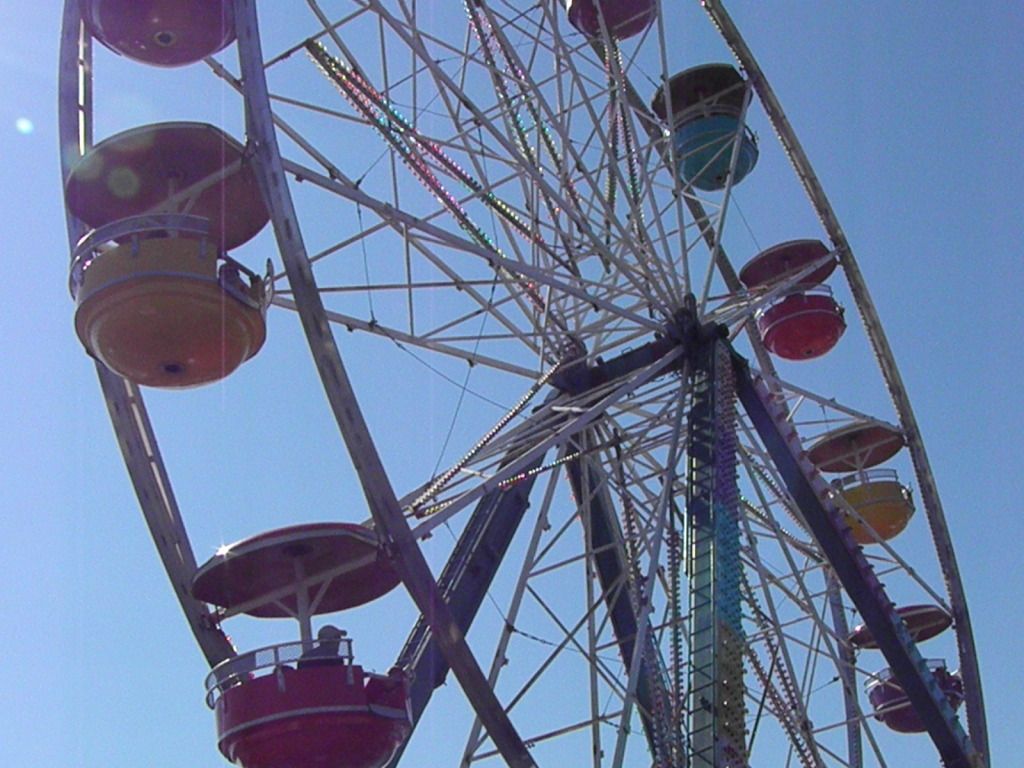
{"x":910,"y":113}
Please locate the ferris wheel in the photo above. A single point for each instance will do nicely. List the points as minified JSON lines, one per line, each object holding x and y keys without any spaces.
{"x":645,"y":541}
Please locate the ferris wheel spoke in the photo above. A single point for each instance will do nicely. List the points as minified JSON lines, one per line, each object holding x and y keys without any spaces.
{"x":491,"y":45}
{"x":566,"y":432}
{"x":421,"y":152}
{"x":352,"y":323}
{"x":529,"y":562}
{"x":733,"y":148}
{"x":529,"y":163}
{"x":658,"y":272}
{"x":631,"y":98}
{"x":427,"y":234}
{"x":641,"y":180}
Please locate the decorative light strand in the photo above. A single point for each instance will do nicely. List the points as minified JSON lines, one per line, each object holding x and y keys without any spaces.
{"x":398,"y":134}
{"x":452,"y":471}
{"x":492,"y":43}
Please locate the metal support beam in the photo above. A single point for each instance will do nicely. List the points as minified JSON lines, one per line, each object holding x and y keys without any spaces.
{"x":855,"y":573}
{"x":716,"y":709}
{"x":463,"y":583}
{"x":590,"y":487}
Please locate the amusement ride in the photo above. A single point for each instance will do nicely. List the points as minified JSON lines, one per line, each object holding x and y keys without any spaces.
{"x":654,"y":545}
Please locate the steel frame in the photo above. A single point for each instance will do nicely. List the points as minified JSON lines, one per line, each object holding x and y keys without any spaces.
{"x":450,"y":618}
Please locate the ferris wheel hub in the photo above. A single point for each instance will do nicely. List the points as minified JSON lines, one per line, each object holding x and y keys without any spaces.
{"x":578,"y":374}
